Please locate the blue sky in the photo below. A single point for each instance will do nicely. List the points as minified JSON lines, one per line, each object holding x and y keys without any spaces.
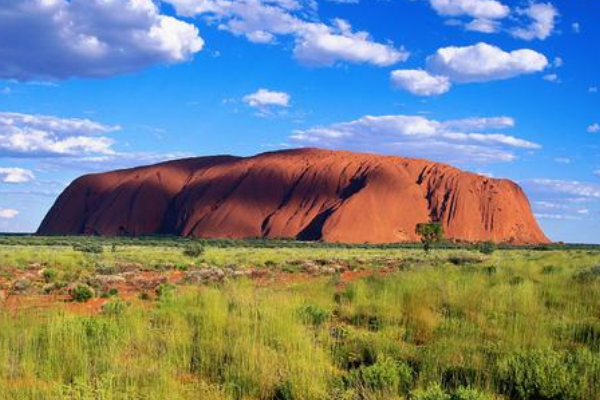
{"x":498,"y":87}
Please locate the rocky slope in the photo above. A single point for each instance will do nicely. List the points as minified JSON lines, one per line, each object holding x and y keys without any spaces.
{"x":308,"y":194}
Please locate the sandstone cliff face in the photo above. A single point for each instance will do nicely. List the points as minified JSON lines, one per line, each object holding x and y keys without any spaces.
{"x":307,"y":194}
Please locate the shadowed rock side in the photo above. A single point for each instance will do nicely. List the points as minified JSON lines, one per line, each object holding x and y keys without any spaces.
{"x":307,"y":194}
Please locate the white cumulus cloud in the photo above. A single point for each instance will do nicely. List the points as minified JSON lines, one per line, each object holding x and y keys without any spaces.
{"x":478,"y":63}
{"x":543,"y":20}
{"x":535,"y":21}
{"x":30,"y":135}
{"x":314,"y":43}
{"x":59,"y":39}
{"x":561,"y":188}
{"x":16,"y":175}
{"x":267,"y":98}
{"x":465,"y":140}
{"x":420,"y":82}
{"x":593,"y":128}
{"x":486,"y":9}
{"x":483,"y":62}
{"x":8,"y":213}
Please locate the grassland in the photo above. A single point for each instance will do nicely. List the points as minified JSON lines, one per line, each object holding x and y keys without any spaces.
{"x":296,"y":321}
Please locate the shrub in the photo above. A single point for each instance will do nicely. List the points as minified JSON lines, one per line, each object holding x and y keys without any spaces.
{"x":112,"y":292}
{"x":348,"y":295}
{"x":384,"y":376}
{"x":114,"y":308}
{"x":588,"y":275}
{"x":165,"y":291}
{"x":355,"y":350}
{"x":283,"y":391}
{"x":433,"y":392}
{"x":487,"y":247}
{"x":21,"y":285}
{"x":542,"y":375}
{"x":470,"y":394}
{"x":314,"y":315}
{"x":144,"y":296}
{"x":368,"y":319}
{"x":459,"y":376}
{"x":551,"y":269}
{"x":464,"y":259}
{"x":49,"y":274}
{"x":82,"y":293}
{"x":587,"y":333}
{"x":92,"y":248}
{"x":516,"y":280}
{"x":193,"y":249}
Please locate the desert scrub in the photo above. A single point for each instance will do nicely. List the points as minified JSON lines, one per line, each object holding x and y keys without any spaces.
{"x":459,"y":328}
{"x":314,"y":315}
{"x":487,"y":247}
{"x":193,"y":250}
{"x":385,"y":376}
{"x":82,"y":293}
{"x":588,"y":275}
{"x":93,"y":248}
{"x":49,"y":274}
{"x":433,"y":392}
{"x":549,"y":375}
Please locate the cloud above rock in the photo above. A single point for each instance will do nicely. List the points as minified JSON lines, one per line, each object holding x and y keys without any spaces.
{"x":15,"y":175}
{"x":8,"y":213}
{"x":31,"y":136}
{"x":470,"y":140}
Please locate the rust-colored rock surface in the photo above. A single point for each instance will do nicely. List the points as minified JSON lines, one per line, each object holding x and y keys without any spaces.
{"x":307,"y":194}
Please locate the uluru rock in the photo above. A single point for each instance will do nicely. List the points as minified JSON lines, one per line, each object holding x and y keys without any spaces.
{"x":306,"y":194}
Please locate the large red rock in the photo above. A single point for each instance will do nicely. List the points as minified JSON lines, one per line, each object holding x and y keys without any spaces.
{"x":307,"y":194}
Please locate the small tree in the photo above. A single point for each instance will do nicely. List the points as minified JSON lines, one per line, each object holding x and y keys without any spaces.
{"x":82,"y":293}
{"x":487,"y":247}
{"x":430,"y":232}
{"x":193,"y":249}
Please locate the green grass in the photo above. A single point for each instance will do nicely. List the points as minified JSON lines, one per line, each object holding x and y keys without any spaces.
{"x":453,"y":325}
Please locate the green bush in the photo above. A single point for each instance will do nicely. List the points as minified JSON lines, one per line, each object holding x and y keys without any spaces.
{"x":92,"y":248}
{"x":542,"y":375}
{"x":114,"y":308}
{"x":516,"y":280}
{"x":487,"y":247}
{"x":49,"y":274}
{"x":587,"y":333}
{"x":588,"y":275}
{"x":470,"y":394}
{"x":551,"y":269}
{"x":165,"y":291}
{"x":314,"y":315}
{"x":433,"y":392}
{"x":193,"y":250}
{"x":112,"y":292}
{"x":460,"y":376}
{"x":82,"y":293}
{"x":354,"y":350}
{"x":384,"y":376}
{"x":464,"y":259}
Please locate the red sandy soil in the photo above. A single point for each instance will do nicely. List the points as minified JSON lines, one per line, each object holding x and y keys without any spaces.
{"x":306,"y":194}
{"x":147,"y":281}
